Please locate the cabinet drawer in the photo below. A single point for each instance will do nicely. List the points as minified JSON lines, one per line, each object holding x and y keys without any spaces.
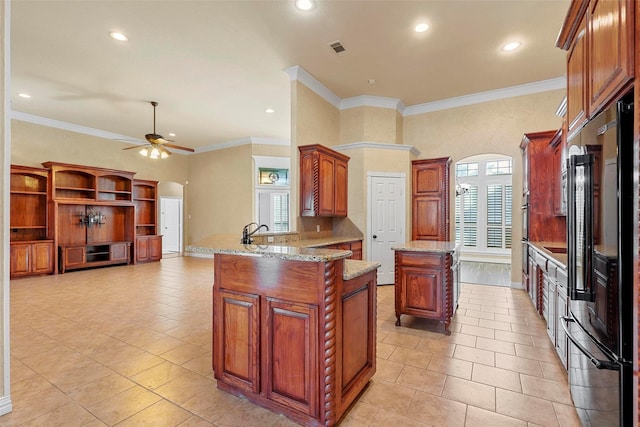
{"x":420,"y":259}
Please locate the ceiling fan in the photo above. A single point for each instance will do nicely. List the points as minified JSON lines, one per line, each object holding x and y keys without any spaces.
{"x":156,"y":147}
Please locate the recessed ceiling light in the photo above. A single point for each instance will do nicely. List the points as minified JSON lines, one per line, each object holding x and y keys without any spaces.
{"x":24,"y":95}
{"x":421,"y":28}
{"x":304,"y":4}
{"x":269,"y":110}
{"x":511,"y":46}
{"x":118,"y":36}
{"x":172,"y":134}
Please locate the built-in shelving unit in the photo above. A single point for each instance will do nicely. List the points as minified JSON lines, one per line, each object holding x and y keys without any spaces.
{"x":148,"y":242}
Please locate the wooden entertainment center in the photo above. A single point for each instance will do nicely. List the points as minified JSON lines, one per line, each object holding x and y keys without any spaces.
{"x":67,"y":217}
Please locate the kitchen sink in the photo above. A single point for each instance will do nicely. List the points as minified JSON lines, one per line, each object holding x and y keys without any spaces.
{"x":556,"y":249}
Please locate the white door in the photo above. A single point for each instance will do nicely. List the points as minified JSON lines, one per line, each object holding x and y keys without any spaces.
{"x":171,"y":224}
{"x":386,"y":220}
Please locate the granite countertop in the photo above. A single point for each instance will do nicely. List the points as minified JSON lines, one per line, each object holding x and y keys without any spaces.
{"x":354,"y":268}
{"x":558,"y":257}
{"x":232,"y":246}
{"x":314,"y":243}
{"x":427,"y":246}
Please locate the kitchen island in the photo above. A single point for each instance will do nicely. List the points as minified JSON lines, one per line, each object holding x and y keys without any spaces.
{"x":294,"y":329}
{"x":427,"y":283}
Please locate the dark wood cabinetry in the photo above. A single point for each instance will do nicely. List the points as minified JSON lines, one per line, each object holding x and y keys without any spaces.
{"x":542,"y":223}
{"x":148,"y":242}
{"x":426,"y":285}
{"x":31,"y":250}
{"x":430,"y":199}
{"x":303,"y":345}
{"x":355,"y":247}
{"x":599,"y":38}
{"x":323,"y":182}
{"x":97,"y":255}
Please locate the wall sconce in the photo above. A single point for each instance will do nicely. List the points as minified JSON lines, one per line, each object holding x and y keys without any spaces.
{"x":91,"y":219}
{"x":461,"y":189}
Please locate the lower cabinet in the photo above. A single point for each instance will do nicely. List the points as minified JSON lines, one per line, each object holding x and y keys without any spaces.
{"x":73,"y":257}
{"x":355,"y":247}
{"x":148,"y":248}
{"x":426,"y":286}
{"x":31,"y":258}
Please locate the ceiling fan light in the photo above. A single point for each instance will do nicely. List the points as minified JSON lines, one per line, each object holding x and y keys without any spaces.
{"x":164,"y":154}
{"x":144,"y":151}
{"x":155,"y":153}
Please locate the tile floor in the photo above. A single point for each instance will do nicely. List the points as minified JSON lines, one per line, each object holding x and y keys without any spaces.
{"x":131,"y":346}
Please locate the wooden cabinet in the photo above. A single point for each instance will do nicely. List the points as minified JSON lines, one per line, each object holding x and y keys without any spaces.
{"x":425,"y":285}
{"x":599,"y":38}
{"x":148,"y":242}
{"x":559,"y":174}
{"x":577,"y":79}
{"x":323,"y":182}
{"x":31,"y":258}
{"x":94,"y":255}
{"x":430,"y":199}
{"x":542,"y":223}
{"x":148,"y":248}
{"x":354,"y":246}
{"x":293,"y":336}
{"x":31,"y":249}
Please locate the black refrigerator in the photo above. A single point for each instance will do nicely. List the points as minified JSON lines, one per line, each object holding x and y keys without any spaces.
{"x":600,"y":267}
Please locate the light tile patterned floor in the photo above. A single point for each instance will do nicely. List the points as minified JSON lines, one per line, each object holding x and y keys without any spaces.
{"x":131,"y":346}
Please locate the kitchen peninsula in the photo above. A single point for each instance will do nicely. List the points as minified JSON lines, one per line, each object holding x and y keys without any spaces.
{"x":294,"y":329}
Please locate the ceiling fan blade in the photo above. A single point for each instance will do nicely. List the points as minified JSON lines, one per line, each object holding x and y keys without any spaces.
{"x":178,"y":147}
{"x":133,"y":147}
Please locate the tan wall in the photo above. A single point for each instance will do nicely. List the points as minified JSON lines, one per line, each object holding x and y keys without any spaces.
{"x":313,"y":121}
{"x":491,"y":127}
{"x":371,"y":124}
{"x":33,"y":144}
{"x":219,"y":196}
{"x":271,"y":150}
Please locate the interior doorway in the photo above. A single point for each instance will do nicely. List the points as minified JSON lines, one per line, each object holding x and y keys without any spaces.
{"x":385,"y":220}
{"x":171,"y":224}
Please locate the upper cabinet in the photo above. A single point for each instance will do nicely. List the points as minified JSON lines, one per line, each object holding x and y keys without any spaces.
{"x":598,"y":37}
{"x":323,"y":181}
{"x":430,"y":199}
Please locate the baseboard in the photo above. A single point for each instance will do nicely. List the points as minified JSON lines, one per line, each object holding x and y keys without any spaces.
{"x":5,"y":405}
{"x":517,"y":285}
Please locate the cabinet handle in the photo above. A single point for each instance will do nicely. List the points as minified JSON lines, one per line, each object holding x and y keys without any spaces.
{"x":375,"y":236}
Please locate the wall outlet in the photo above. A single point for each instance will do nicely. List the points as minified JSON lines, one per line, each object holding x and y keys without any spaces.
{"x":318,"y":228}
{"x":269,"y":239}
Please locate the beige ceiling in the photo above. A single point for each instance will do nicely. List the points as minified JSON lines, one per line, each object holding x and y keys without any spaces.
{"x":215,"y":66}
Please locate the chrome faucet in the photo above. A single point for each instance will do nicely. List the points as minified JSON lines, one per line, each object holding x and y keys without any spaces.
{"x":246,"y":235}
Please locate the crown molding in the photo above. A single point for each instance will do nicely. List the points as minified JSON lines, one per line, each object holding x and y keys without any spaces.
{"x":298,"y":73}
{"x":43,"y":121}
{"x":372,"y":101}
{"x":376,"y":145}
{"x":492,"y":95}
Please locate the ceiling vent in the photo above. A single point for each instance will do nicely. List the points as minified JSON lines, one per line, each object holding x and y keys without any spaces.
{"x":337,"y":47}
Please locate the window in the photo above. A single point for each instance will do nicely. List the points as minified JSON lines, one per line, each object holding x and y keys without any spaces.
{"x":483,"y":205}
{"x":272,"y":192}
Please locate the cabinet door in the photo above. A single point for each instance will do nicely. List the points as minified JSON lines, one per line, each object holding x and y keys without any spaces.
{"x":142,"y":249}
{"x":421,"y":292}
{"x":42,"y":258}
{"x":326,"y":182}
{"x":428,"y":180}
{"x":74,"y":256}
{"x":119,"y":252}
{"x":290,"y":342}
{"x":307,"y":195}
{"x":155,"y":248}
{"x":610,"y":42}
{"x":237,"y":315}
{"x":341,"y":192}
{"x":428,"y":218}
{"x":20,"y":260}
{"x":577,"y":79}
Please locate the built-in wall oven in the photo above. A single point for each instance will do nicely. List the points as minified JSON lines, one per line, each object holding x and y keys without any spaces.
{"x":600,"y":267}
